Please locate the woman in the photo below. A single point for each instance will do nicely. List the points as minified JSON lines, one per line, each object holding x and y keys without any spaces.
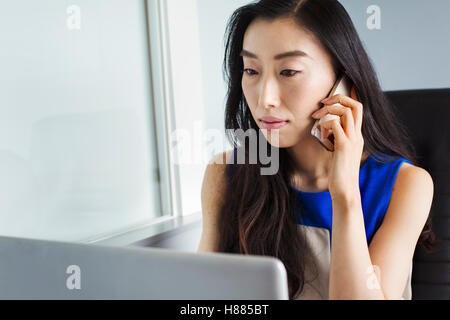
{"x":344,"y":223}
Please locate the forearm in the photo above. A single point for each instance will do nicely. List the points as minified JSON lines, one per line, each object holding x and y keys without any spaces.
{"x":350,"y":264}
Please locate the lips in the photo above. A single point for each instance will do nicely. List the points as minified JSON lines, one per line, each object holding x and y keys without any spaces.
{"x":271,"y":119}
{"x":273,"y":123}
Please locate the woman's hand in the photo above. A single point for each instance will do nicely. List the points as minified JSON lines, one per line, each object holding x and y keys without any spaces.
{"x":343,"y":179}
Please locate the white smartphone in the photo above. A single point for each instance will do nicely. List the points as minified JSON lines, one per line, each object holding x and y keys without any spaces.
{"x":343,"y":85}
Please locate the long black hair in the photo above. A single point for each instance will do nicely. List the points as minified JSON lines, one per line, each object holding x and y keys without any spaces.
{"x":258,"y":215}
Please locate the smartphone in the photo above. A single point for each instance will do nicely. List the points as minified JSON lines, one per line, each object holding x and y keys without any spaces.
{"x":343,"y":85}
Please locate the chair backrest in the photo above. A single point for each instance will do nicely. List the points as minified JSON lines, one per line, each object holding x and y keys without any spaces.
{"x":426,"y":115}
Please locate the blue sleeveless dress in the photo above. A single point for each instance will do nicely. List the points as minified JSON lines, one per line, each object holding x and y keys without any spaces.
{"x":376,"y":181}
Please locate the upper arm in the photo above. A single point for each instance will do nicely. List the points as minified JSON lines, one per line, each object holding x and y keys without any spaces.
{"x":392,"y":247}
{"x":212,"y":198}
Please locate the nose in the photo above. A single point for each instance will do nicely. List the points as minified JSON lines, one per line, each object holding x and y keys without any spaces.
{"x":269,"y":93}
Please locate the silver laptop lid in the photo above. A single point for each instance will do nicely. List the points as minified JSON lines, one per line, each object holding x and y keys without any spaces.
{"x":39,"y":269}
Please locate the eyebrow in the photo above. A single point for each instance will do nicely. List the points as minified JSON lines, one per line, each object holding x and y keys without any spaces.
{"x":295,"y":53}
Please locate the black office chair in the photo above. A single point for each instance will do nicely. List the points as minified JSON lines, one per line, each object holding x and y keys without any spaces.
{"x":426,"y":115}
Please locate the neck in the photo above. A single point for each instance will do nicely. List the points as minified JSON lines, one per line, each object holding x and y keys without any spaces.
{"x":311,"y":160}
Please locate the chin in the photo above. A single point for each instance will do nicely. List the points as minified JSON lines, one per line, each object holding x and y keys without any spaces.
{"x":281,"y":142}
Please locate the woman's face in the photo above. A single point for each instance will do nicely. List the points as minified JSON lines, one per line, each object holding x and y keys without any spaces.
{"x":288,"y":88}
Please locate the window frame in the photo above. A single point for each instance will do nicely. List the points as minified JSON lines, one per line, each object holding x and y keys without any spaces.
{"x":162,"y":106}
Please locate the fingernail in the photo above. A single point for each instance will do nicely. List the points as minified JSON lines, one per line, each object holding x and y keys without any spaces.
{"x":326,"y":99}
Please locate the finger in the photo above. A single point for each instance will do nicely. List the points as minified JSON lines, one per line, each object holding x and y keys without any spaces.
{"x":355,"y":105}
{"x":348,"y":121}
{"x":338,"y":132}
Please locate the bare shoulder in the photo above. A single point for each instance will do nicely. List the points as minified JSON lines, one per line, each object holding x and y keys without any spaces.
{"x":213,"y":195}
{"x":214,"y":180}
{"x":414,"y":175}
{"x":413,"y":186}
{"x":221,"y":158}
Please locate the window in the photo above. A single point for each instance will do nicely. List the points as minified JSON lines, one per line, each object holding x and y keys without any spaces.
{"x":195,"y":31}
{"x":78,"y":142}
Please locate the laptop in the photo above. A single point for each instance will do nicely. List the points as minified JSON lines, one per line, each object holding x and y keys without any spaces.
{"x":42,"y":269}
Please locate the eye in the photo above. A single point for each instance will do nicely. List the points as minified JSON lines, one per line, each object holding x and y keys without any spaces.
{"x":250,"y":74}
{"x":287,"y":73}
{"x":290,"y":73}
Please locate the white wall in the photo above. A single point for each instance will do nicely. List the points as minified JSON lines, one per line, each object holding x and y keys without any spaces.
{"x":411,"y":49}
